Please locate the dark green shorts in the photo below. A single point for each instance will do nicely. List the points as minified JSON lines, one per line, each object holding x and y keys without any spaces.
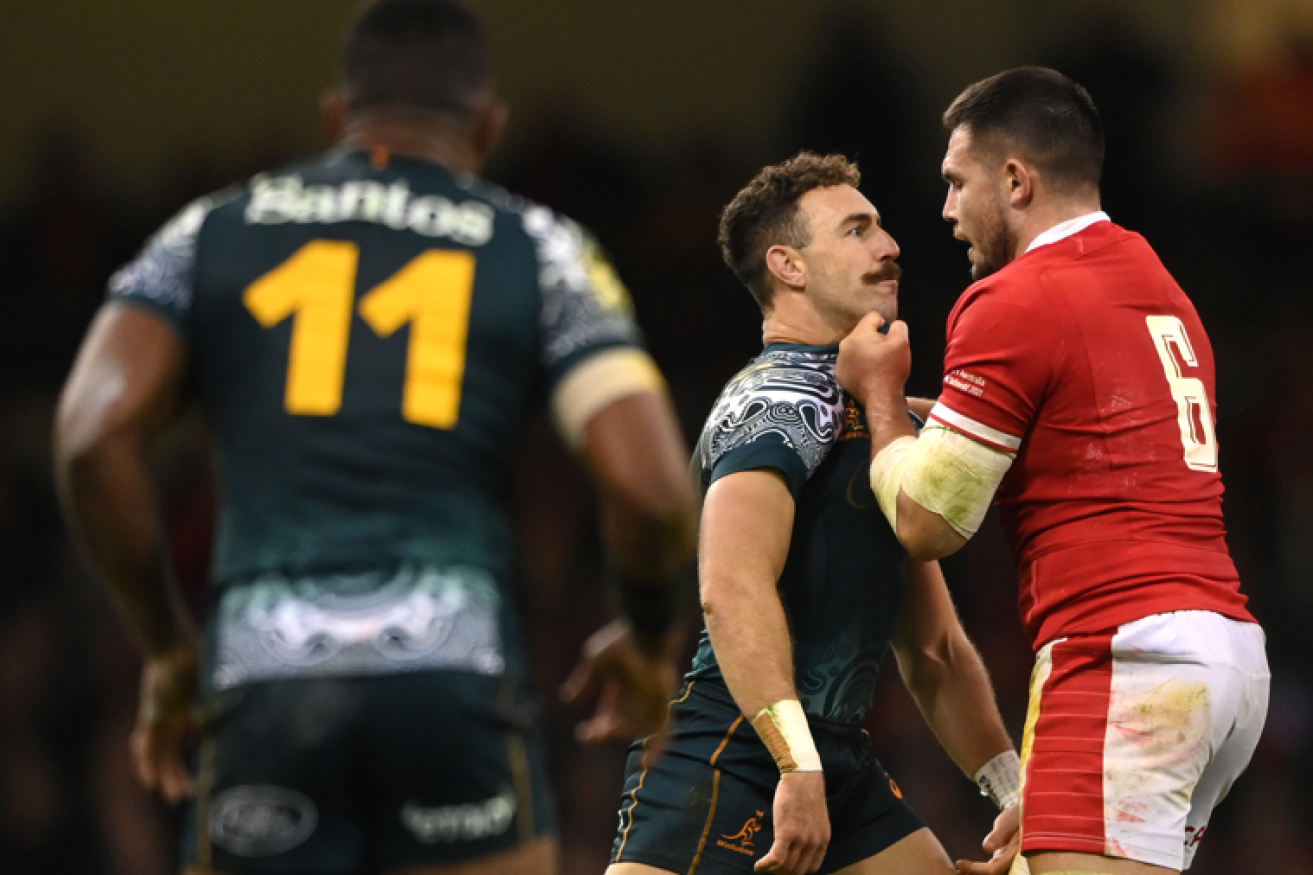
{"x":705,"y":802}
{"x":371,"y":774}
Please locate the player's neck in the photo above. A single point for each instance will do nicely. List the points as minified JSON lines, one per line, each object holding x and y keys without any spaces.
{"x":793,"y":320}
{"x":429,"y":137}
{"x":1042,"y":217}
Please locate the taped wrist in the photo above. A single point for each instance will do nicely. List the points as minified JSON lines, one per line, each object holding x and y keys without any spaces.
{"x":1000,"y":779}
{"x":783,"y":728}
{"x":650,"y":606}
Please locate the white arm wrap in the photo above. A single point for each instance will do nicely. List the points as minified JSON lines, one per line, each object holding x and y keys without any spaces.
{"x":945,"y":472}
{"x":783,"y":728}
{"x":597,"y":381}
{"x":1000,"y":779}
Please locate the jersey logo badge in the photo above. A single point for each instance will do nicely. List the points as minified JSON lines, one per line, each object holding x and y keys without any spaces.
{"x":854,"y":422}
{"x":741,"y":841}
{"x":966,"y":382}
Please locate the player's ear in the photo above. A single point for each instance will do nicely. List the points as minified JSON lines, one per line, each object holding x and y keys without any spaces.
{"x":487,"y":125}
{"x":1021,"y":180}
{"x":332,"y":112}
{"x":786,"y":264}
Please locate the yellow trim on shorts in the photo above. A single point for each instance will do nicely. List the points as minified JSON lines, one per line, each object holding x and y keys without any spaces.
{"x":517,"y":755}
{"x":597,"y":381}
{"x":715,"y":794}
{"x":624,"y":839}
{"x":1038,"y":678}
{"x":711,"y":815}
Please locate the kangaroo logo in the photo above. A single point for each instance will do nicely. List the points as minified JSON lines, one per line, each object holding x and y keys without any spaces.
{"x":741,"y":841}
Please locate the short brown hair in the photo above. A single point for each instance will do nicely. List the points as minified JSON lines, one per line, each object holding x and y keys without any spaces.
{"x":1046,"y":117}
{"x":765,"y":213}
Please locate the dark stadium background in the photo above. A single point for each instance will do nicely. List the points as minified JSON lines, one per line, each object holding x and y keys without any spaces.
{"x":641,"y":120}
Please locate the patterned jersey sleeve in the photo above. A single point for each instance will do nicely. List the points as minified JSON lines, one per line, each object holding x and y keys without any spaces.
{"x":997,"y":370}
{"x":160,"y":278}
{"x":586,"y":308}
{"x":784,"y":415}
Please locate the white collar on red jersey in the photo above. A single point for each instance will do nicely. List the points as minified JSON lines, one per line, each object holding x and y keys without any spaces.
{"x":1063,"y":230}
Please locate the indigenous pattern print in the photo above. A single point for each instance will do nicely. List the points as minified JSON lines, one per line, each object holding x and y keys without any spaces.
{"x":584,"y":302}
{"x":844,"y":579}
{"x":789,"y":396}
{"x":838,"y":682}
{"x":162,"y":274}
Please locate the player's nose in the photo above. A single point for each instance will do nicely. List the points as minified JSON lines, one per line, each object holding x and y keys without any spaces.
{"x":886,"y":247}
{"x":950,"y":206}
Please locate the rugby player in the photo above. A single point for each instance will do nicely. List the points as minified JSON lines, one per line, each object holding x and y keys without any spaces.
{"x":1079,"y":392}
{"x":804,"y":586}
{"x":367,"y":333}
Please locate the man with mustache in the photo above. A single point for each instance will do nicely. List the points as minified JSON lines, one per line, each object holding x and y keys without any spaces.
{"x":803,"y":584}
{"x":1078,"y":387}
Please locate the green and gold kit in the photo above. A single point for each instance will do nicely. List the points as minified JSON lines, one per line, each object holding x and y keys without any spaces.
{"x":368,"y":339}
{"x":845,"y":577}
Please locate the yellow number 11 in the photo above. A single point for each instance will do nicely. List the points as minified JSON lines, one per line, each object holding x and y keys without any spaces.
{"x":316,"y":286}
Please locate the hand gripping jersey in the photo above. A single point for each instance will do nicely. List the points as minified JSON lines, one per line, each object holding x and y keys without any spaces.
{"x":368,"y":343}
{"x":845,"y":578}
{"x":1086,"y":360}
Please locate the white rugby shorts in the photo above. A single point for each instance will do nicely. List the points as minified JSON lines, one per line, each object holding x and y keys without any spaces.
{"x":1133,"y":736}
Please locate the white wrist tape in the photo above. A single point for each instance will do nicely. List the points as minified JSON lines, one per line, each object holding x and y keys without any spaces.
{"x":1000,"y":779}
{"x":783,"y":729}
{"x":945,"y":472}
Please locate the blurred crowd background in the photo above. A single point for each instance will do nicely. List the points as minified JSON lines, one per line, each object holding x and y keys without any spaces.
{"x":641,"y":121}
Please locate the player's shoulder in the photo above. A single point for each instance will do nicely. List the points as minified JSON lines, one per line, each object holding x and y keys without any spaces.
{"x":1020,"y":285}
{"x":787,"y":394}
{"x":161,"y":272}
{"x":565,"y":248}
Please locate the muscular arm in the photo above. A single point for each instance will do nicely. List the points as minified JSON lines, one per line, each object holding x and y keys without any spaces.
{"x":636,"y":457}
{"x":639,"y":465}
{"x":944,"y":673}
{"x":873,"y":367}
{"x":747,"y":523}
{"x":124,"y":389}
{"x":920,"y":406}
{"x":926,"y":535}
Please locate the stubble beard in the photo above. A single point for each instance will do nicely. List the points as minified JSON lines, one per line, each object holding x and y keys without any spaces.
{"x":994,"y":246}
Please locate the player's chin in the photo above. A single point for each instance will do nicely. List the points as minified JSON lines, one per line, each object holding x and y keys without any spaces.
{"x":980,"y":267}
{"x":882,"y":294}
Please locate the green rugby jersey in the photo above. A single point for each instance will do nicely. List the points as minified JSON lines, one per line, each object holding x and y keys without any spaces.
{"x":368,"y":343}
{"x":845,"y":577}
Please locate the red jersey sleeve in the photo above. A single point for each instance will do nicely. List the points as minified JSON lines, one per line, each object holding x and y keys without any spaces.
{"x":997,"y":366}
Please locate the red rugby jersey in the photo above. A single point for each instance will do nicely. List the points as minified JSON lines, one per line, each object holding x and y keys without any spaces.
{"x":1086,"y":360}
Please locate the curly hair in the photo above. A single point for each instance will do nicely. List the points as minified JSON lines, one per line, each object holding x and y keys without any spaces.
{"x":765,"y":214}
